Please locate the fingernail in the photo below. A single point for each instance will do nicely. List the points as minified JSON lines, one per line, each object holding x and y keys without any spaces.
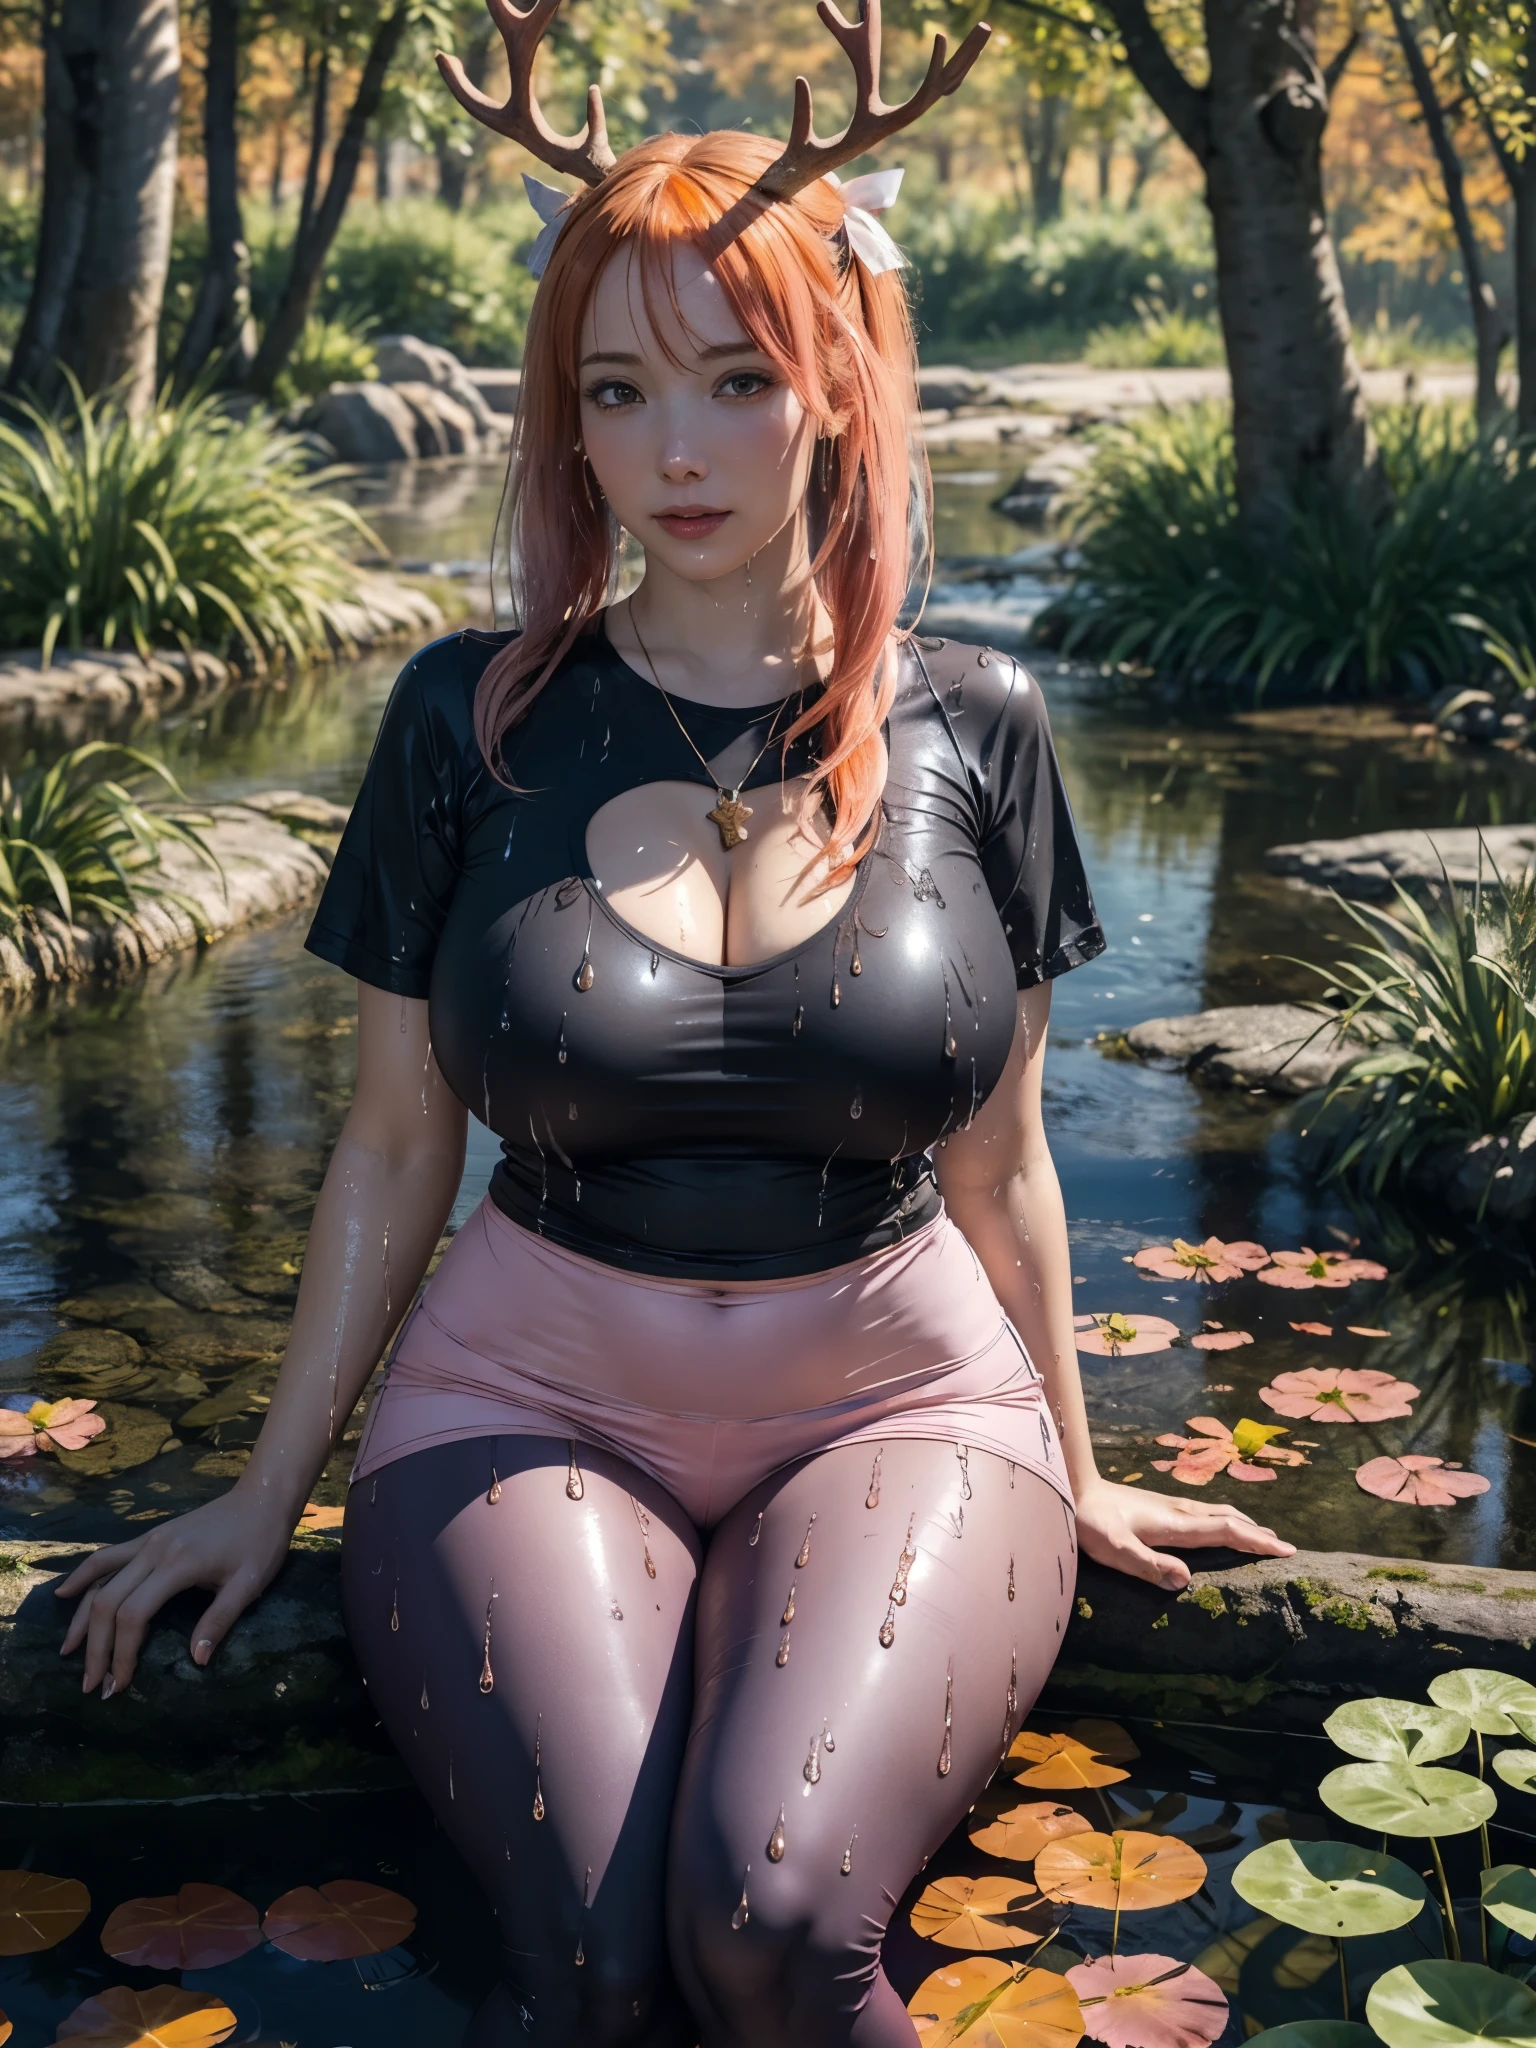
{"x":85,"y":1685}
{"x":108,"y":1686}
{"x":203,"y":1651}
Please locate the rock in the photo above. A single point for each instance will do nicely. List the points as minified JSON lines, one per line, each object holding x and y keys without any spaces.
{"x":443,"y":427}
{"x":133,"y":1436}
{"x":365,"y":423}
{"x":1493,"y":1177}
{"x":1469,"y":714}
{"x":945,"y":388}
{"x":87,"y":1352}
{"x":499,"y":389}
{"x":1367,"y":866}
{"x":296,"y":808}
{"x":1033,"y":494}
{"x":198,"y":1286}
{"x":403,"y":359}
{"x":1279,"y":1640}
{"x":1281,"y":1047}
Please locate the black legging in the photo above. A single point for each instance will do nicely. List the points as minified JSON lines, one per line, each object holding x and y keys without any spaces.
{"x":695,"y":1775}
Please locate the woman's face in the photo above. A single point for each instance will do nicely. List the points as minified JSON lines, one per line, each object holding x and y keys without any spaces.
{"x":706,"y":458}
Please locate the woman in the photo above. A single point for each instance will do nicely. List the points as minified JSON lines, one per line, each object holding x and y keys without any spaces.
{"x":714,"y":1530}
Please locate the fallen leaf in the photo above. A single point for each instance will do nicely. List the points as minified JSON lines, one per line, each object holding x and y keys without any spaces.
{"x":1118,"y":1336}
{"x":1364,"y":1330}
{"x":982,"y":1912}
{"x":1126,"y":1872}
{"x":37,"y":1911}
{"x":1314,"y":1329}
{"x":1060,"y":1763}
{"x":1216,"y":1449}
{"x":316,"y":1518}
{"x":1418,"y":1482}
{"x":339,"y":1921}
{"x":988,"y":2004}
{"x":6,"y":2029}
{"x":1211,"y":1261}
{"x":162,"y":2018}
{"x":1148,"y":2002}
{"x":1017,"y":1833}
{"x":197,"y":1928}
{"x":1220,"y":1340}
{"x":1339,"y":1394}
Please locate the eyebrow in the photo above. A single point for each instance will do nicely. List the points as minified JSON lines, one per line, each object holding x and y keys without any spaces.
{"x":716,"y":352}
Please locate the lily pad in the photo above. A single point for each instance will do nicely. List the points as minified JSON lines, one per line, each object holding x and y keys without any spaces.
{"x":1060,"y":1763}
{"x":1329,"y":1887}
{"x":1484,"y":1698}
{"x":1517,"y":1767}
{"x":37,"y":1912}
{"x":1418,"y":1481}
{"x":1211,"y":1261}
{"x":982,"y":1913}
{"x":988,"y":2004}
{"x":1114,"y":1335}
{"x":1001,"y":1826}
{"x":1325,"y":1393}
{"x":197,"y":1928}
{"x":1416,"y":1800}
{"x":1436,"y":2004}
{"x":162,"y":2018}
{"x":1509,"y":1896}
{"x":1121,"y":1873}
{"x":1320,"y":2034}
{"x":1396,"y":1731}
{"x":338,"y":1921}
{"x":1148,"y":2002}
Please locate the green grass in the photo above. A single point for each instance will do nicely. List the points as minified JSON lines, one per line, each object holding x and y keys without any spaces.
{"x":328,"y":352}
{"x":187,"y":528}
{"x":1367,"y":603}
{"x":76,"y":838}
{"x":1157,"y":340}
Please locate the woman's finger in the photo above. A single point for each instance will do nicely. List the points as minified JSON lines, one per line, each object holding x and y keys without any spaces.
{"x":1127,"y":1553}
{"x":222,"y":1614}
{"x":102,"y":1627}
{"x":138,"y":1609}
{"x":100,"y":1565}
{"x":79,"y":1621}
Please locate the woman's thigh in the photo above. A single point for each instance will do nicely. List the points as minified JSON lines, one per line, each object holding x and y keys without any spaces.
{"x":523,"y":1616}
{"x":868,"y":1639}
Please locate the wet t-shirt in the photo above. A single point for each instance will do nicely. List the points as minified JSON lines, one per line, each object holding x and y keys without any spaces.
{"x":664,"y":1114}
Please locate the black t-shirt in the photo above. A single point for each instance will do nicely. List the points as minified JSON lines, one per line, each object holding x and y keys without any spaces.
{"x":675,"y":1117}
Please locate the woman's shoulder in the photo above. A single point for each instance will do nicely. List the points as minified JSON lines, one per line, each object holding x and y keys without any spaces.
{"x":975,"y":689}
{"x":441,"y":678}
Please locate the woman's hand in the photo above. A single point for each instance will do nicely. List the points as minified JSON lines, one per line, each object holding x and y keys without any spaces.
{"x":1118,"y":1526}
{"x":232,"y":1546}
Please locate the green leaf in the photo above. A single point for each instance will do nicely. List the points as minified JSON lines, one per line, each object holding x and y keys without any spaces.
{"x":1517,"y":1767}
{"x":1483,"y":1698}
{"x":1509,"y":1896}
{"x":1318,"y":2034}
{"x":1434,"y":2004}
{"x":1329,"y":1887}
{"x":1408,"y":1799}
{"x":1396,"y":1731}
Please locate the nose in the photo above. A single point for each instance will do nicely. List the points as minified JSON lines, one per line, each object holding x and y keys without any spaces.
{"x":682,"y":465}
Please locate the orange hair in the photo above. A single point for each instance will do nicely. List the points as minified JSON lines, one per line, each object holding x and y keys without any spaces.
{"x":842,"y":339}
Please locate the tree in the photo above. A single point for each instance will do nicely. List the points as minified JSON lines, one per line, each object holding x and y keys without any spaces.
{"x":111,"y":100}
{"x":220,"y":324}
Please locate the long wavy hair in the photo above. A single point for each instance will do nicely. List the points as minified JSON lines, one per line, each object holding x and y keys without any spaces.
{"x":842,"y":339}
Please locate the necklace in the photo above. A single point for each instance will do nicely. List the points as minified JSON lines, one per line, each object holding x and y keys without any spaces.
{"x":730,"y":814}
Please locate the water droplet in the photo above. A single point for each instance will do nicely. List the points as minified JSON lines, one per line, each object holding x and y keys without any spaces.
{"x":402,"y":1013}
{"x":487,"y":1677}
{"x":1010,"y":1574}
{"x":925,"y":889}
{"x":837,"y":993}
{"x":373,"y":1497}
{"x":560,"y":1047}
{"x":847,"y":1863}
{"x":805,"y":1549}
{"x":616,"y":1610}
{"x":983,"y":660}
{"x":904,"y":1566}
{"x":538,"y":1799}
{"x":1013,"y":1697}
{"x":388,"y":1306}
{"x":495,"y":1493}
{"x":580,"y":1953}
{"x":394,"y":1614}
{"x":963,"y":1453}
{"x":538,"y":1756}
{"x":585,"y":975}
{"x":794,"y":1029}
{"x":757,"y":1530}
{"x":571,"y":1114}
{"x":425,"y":1702}
{"x":946,"y":1753}
{"x":855,"y":965}
{"x":789,"y":1610}
{"x":451,"y":1793}
{"x":826,"y":1739}
{"x":888,"y":1628}
{"x":741,"y":1916}
{"x":856,"y":1107}
{"x":812,"y":1771}
{"x":776,"y":1840}
{"x":783,"y":1654}
{"x":872,"y":1498}
{"x":574,"y":1488}
{"x":655,"y":963}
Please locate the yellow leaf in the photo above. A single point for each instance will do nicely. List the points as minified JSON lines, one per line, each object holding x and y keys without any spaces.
{"x":987,"y":2004}
{"x":1000,"y":1827}
{"x":1060,"y":1763}
{"x":1253,"y":1436}
{"x":982,"y":1912}
{"x":1122,"y":1873}
{"x":37,"y":1911}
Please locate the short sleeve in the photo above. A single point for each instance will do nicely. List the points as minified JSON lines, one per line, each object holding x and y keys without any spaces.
{"x":1029,"y":850}
{"x":396,"y":869}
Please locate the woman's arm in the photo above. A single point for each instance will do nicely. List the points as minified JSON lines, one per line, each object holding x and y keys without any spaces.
{"x":387,"y":1194}
{"x":1000,"y":1186}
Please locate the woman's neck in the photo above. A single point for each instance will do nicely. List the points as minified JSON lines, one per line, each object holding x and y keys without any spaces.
{"x":750,"y":637}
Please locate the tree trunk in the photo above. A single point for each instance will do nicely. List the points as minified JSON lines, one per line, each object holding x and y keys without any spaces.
{"x":1523,"y":185}
{"x":112,"y":96}
{"x":1104,"y":150}
{"x":319,"y":121}
{"x":1488,"y":323}
{"x":1047,"y":145}
{"x":383,"y":151}
{"x":279,"y":164}
{"x":221,"y":317}
{"x":1144,"y":156}
{"x":1298,"y":412}
{"x":313,"y":243}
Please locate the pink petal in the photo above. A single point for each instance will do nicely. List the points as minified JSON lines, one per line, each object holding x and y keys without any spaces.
{"x":1314,"y":1329}
{"x":1148,"y":2002}
{"x":1153,"y":1333}
{"x":1248,"y":1255}
{"x":1161,"y":1261}
{"x":1199,"y":1468}
{"x":14,"y":1423}
{"x":1286,"y":1276}
{"x":1305,"y":1257}
{"x":18,"y":1446}
{"x":1220,"y":1340}
{"x":1364,"y":1269}
{"x":73,"y":1434}
{"x":1418,"y":1481}
{"x":1361,"y":1330}
{"x":1239,"y":1470}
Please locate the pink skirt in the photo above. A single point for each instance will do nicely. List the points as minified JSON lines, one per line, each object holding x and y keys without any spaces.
{"x":709,"y":1387}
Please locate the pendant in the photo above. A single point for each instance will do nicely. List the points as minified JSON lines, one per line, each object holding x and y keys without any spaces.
{"x":730,"y":814}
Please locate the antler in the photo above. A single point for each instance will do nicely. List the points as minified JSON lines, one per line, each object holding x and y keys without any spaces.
{"x":807,"y":157}
{"x":585,"y":156}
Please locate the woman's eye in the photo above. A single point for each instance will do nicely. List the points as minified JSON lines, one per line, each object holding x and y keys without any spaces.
{"x":745,"y":383}
{"x":612,"y":394}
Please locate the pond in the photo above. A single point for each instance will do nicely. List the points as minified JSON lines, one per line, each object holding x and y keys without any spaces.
{"x":161,"y":1146}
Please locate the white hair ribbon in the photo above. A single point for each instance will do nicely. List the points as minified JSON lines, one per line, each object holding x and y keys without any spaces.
{"x":864,"y":197}
{"x":549,"y":203}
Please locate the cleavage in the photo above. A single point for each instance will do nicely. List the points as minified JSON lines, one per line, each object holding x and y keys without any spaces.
{"x":663,"y":870}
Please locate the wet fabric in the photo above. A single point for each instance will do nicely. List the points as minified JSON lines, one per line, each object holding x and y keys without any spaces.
{"x":709,"y":1388}
{"x":670,"y":1116}
{"x":695,"y":1776}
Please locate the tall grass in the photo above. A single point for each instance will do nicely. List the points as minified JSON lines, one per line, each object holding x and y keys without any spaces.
{"x":1446,"y":992}
{"x":76,"y":839}
{"x":187,"y":528}
{"x":1372,"y":602}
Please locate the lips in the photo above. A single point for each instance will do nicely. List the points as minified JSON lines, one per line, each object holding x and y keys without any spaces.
{"x":692,"y":522}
